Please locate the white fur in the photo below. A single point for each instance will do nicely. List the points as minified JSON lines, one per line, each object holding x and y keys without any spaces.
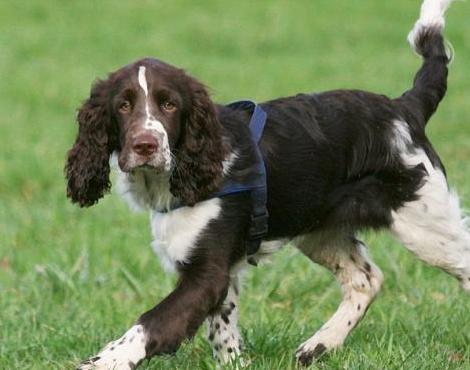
{"x":402,"y":138}
{"x":175,"y":233}
{"x":143,"y":189}
{"x":121,"y":353}
{"x":432,"y":226}
{"x":143,"y":80}
{"x":431,"y":15}
{"x":347,"y":260}
{"x":272,"y":246}
{"x":228,"y":162}
{"x":151,"y":123}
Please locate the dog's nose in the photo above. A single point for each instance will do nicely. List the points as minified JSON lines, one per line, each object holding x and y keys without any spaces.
{"x":145,"y":145}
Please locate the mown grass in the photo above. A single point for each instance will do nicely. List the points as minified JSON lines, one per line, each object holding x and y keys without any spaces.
{"x":72,"y":279}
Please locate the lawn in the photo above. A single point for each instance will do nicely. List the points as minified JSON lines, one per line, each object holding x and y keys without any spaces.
{"x":72,"y":279}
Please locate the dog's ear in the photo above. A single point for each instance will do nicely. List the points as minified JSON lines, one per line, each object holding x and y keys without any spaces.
{"x":200,"y":153}
{"x":87,"y":167}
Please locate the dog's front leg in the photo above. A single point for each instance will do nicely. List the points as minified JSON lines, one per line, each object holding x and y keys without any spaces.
{"x":177,"y":317}
{"x":200,"y":290}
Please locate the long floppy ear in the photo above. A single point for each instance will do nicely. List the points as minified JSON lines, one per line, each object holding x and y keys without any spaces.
{"x":200,"y":154}
{"x":87,"y":168}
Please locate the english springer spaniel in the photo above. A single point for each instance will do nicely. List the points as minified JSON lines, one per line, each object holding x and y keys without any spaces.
{"x":337,"y":162}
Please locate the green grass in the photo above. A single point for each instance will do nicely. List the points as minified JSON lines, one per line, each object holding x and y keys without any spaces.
{"x":72,"y":279}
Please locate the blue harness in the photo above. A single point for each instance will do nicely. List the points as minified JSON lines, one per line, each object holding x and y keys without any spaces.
{"x":258,"y":187}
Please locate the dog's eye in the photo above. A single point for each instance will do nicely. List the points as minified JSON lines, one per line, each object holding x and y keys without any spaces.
{"x":168,"y":106}
{"x":125,"y":107}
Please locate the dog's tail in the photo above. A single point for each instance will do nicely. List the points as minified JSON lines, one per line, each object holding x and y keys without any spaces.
{"x":430,"y":83}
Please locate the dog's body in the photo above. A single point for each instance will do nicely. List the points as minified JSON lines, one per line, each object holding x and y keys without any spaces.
{"x":337,"y":162}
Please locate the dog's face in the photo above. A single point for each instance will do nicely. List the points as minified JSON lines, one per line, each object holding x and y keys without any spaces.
{"x":148,"y":103}
{"x":157,"y":118}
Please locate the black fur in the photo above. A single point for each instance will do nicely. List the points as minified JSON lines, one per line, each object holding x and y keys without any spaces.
{"x":331,"y":164}
{"x":332,"y":160}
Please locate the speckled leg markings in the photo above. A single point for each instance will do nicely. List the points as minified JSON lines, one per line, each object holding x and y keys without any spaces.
{"x":124,"y":353}
{"x":223,"y":333}
{"x":360,"y":281}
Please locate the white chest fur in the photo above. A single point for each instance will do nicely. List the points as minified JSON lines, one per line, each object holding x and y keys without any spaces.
{"x":175,"y":233}
{"x":143,"y":190}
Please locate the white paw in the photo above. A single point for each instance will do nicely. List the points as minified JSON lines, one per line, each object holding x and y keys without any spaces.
{"x":122,"y":354}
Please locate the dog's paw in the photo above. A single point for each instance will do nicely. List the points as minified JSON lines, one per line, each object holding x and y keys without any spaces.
{"x":122,"y":354}
{"x":310,"y":351}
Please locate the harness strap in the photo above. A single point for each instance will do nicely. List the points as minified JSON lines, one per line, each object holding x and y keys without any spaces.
{"x":258,"y":190}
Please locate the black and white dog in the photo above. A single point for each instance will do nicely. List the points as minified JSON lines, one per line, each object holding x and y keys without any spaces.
{"x":337,"y":162}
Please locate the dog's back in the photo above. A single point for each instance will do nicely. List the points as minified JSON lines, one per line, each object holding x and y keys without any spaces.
{"x":347,"y":146}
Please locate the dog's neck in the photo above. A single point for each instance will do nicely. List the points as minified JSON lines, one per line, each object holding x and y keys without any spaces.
{"x":142,"y":189}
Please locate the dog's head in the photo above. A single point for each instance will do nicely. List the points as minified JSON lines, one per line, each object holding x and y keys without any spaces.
{"x":156,"y":118}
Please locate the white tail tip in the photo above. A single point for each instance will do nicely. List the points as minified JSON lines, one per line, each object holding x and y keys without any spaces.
{"x":431,"y":15}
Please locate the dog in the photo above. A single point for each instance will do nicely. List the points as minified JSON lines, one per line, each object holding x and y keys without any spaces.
{"x":336,"y":163}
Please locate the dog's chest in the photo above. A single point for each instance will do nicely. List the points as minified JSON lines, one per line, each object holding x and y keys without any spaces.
{"x":176,"y":233}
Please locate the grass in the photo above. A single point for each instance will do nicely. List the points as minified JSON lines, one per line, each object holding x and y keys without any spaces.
{"x":72,"y":279}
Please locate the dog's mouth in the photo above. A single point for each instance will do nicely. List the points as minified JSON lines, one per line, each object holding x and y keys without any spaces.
{"x":149,"y":168}
{"x":155,"y":164}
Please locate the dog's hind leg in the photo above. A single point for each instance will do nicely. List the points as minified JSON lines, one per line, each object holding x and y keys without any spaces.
{"x":360,"y":281}
{"x":223,"y":333}
{"x":433,"y":228}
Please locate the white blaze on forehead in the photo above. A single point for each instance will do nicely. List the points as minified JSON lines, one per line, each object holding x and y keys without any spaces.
{"x":143,"y":80}
{"x":151,"y":123}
